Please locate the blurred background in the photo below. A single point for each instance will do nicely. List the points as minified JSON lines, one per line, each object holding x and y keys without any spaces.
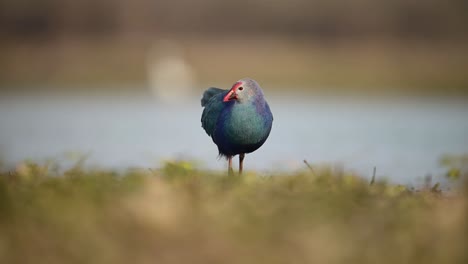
{"x":359,"y":83}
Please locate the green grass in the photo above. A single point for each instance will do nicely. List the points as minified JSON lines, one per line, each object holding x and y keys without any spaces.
{"x":178,"y":214}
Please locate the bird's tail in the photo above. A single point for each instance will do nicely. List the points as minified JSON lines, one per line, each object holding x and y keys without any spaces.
{"x":210,"y":92}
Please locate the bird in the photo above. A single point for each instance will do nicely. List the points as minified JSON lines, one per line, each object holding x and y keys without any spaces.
{"x":238,"y":120}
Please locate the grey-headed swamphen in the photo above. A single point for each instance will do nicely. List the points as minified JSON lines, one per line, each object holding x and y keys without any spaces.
{"x":238,"y":120}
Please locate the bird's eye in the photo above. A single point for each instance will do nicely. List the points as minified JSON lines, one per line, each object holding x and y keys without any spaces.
{"x":241,"y":88}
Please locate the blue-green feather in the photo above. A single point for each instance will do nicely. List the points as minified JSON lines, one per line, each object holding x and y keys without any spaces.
{"x":212,"y":100}
{"x":242,"y":128}
{"x":236,"y":126}
{"x":209,"y":93}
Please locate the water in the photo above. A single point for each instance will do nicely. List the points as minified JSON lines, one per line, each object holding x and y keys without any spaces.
{"x":403,"y":138}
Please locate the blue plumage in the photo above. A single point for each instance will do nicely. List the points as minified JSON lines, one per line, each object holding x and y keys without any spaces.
{"x":238,"y":120}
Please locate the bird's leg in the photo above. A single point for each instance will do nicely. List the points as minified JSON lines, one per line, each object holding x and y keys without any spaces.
{"x":230,"y":171}
{"x":241,"y":162}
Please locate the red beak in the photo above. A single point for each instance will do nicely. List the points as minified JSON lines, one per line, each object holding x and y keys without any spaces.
{"x":231,"y":95}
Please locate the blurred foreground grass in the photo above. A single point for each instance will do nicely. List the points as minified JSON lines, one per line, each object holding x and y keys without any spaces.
{"x":178,"y":214}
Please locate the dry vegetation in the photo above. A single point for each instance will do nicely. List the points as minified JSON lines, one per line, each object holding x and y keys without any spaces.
{"x":368,"y":67}
{"x":323,"y":46}
{"x":178,"y":214}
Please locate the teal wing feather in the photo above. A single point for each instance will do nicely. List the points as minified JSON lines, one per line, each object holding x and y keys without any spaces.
{"x":209,"y":93}
{"x":212,"y":100}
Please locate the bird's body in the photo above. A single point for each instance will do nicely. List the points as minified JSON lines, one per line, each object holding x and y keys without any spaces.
{"x":238,"y":120}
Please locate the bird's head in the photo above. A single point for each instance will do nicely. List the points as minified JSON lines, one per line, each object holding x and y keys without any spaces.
{"x":244,"y":90}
